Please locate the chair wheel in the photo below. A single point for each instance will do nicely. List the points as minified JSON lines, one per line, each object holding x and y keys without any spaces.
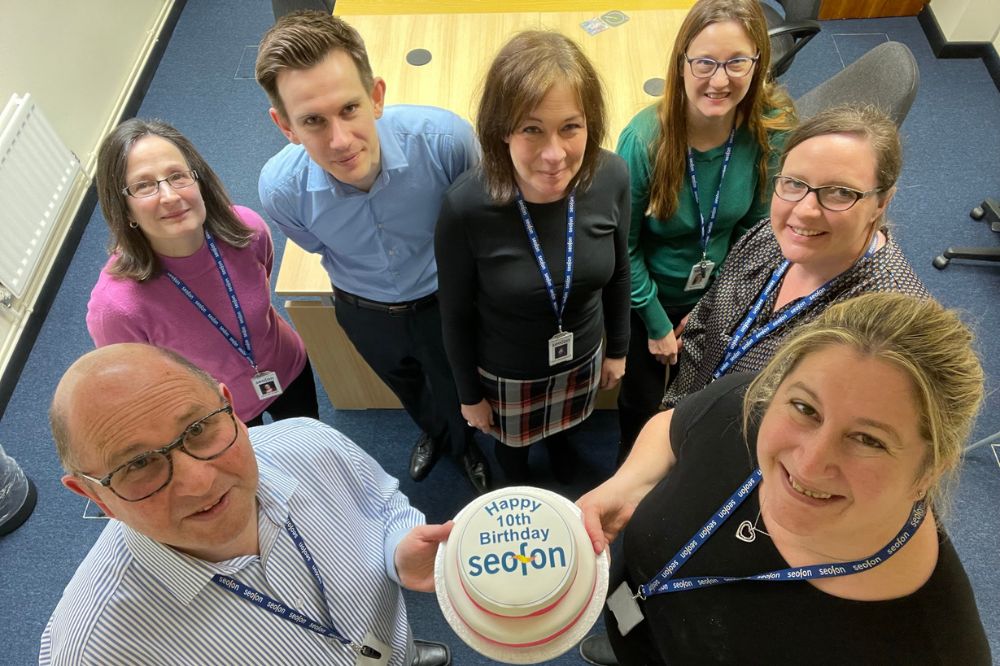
{"x":977,"y":213}
{"x":940,"y":262}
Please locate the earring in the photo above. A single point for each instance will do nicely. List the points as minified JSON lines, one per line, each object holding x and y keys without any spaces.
{"x":133,"y":224}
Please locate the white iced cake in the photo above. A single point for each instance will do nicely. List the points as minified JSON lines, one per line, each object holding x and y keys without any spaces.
{"x":524,"y":570}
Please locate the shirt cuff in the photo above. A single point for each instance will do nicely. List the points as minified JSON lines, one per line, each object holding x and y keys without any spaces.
{"x":656,"y":320}
{"x":391,"y":542}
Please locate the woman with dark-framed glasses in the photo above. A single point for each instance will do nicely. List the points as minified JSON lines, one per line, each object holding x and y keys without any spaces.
{"x":699,"y":163}
{"x":190,"y":272}
{"x":827,"y":240}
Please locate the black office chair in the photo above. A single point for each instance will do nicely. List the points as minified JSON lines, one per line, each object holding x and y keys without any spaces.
{"x":988,"y":212}
{"x":789,"y":33}
{"x":886,"y":76}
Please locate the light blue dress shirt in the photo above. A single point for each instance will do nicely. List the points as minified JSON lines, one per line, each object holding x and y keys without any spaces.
{"x":136,"y":601}
{"x":377,"y":244}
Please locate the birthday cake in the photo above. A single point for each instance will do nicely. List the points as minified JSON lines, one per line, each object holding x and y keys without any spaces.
{"x":518,"y":577}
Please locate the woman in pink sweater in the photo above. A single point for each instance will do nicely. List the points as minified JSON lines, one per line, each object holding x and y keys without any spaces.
{"x":190,"y":272}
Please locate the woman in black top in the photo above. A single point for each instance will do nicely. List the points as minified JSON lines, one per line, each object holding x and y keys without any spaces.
{"x":853,"y":426}
{"x":527,"y":357}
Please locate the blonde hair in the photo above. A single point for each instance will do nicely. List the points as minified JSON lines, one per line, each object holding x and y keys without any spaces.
{"x":522,"y":73}
{"x":668,"y":150}
{"x":928,"y":343}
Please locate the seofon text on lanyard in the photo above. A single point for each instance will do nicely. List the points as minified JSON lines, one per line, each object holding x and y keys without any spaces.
{"x":702,"y":270}
{"x":622,"y":603}
{"x":362,"y":650}
{"x":265,"y":383}
{"x":740,"y":343}
{"x":560,"y":344}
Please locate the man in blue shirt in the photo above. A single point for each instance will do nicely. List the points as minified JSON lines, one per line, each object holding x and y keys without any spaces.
{"x":280,"y":544}
{"x":361,"y":184}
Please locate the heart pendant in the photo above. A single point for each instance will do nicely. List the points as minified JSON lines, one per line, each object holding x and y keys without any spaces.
{"x":745,"y":532}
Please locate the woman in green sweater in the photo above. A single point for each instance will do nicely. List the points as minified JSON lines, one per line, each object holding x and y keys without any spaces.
{"x":699,"y":162}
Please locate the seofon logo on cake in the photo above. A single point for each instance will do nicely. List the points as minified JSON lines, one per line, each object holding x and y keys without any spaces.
{"x":516,"y":536}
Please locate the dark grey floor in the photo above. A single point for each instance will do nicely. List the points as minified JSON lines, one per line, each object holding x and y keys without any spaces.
{"x":204,"y":86}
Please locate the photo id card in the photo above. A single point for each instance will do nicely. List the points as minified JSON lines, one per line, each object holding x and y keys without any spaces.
{"x":561,"y":347}
{"x":625,"y":608}
{"x":266,"y":385}
{"x":700,"y":273}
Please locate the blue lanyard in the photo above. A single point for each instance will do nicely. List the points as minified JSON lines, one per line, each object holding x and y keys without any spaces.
{"x":282,"y":610}
{"x":706,"y":229}
{"x":664,"y":582}
{"x":738,"y":346}
{"x":536,"y":246}
{"x":245,"y":349}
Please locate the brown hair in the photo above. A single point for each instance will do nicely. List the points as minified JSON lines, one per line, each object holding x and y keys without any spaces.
{"x":521,"y":74}
{"x":134,"y":256}
{"x":928,"y":343}
{"x":668,"y":150}
{"x":300,"y":40}
{"x":865,"y":122}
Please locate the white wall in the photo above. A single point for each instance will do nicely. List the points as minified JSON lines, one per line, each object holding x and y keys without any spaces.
{"x":968,"y":20}
{"x":80,"y":61}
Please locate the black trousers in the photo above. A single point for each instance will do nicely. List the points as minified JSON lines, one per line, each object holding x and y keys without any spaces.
{"x":406,"y":351}
{"x":297,"y":399}
{"x":644,"y":382}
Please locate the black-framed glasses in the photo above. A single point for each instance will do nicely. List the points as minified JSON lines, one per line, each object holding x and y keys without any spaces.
{"x":148,"y":473}
{"x":736,"y":68}
{"x":832,"y":197}
{"x":142,"y":189}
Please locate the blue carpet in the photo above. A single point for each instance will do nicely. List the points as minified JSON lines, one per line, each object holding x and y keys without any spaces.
{"x":204,"y":86}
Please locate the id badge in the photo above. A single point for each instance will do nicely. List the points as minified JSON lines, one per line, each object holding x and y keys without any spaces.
{"x":266,"y":385}
{"x":384,"y":650}
{"x":625,"y":608}
{"x":561,"y":347}
{"x":700,"y":273}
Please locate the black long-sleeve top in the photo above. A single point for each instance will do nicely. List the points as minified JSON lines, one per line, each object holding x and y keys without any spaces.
{"x":495,"y":310}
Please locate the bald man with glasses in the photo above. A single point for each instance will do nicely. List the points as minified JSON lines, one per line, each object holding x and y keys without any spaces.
{"x":284,"y":544}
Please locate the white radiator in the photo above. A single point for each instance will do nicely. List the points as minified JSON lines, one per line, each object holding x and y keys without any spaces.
{"x":37,"y":171}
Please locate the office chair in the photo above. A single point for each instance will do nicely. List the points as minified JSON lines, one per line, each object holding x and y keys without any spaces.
{"x":887,"y":76}
{"x":989,"y":212}
{"x":789,"y":33}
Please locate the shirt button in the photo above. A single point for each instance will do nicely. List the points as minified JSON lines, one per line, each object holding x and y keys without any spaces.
{"x":392,"y":252}
{"x":378,"y":226}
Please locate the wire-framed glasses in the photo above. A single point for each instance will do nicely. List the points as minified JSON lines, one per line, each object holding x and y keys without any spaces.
{"x":832,"y":197}
{"x":148,"y":473}
{"x":737,"y":68}
{"x":142,"y":189}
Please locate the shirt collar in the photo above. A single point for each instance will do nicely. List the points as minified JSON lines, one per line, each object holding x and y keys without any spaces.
{"x":185,"y":576}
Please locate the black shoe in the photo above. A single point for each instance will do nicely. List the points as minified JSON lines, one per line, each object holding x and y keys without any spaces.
{"x":431,"y":654}
{"x":476,"y":467}
{"x":596,"y":649}
{"x":424,"y":455}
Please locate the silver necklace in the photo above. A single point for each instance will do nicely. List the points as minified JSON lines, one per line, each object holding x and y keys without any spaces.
{"x":747,"y":531}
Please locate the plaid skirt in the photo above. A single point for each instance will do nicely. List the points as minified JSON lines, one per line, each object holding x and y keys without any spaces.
{"x":532,"y":409}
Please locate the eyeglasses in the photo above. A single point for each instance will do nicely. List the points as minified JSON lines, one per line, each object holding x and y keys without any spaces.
{"x":143,"y":189}
{"x":831,"y":197}
{"x":148,"y":473}
{"x":737,"y":68}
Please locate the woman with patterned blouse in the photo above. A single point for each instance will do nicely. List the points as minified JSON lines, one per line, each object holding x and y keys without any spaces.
{"x":826,"y":241}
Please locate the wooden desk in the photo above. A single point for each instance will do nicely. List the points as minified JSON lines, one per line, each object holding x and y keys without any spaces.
{"x":625,"y":56}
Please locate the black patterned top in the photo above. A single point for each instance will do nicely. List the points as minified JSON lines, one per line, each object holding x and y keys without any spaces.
{"x":744,"y":275}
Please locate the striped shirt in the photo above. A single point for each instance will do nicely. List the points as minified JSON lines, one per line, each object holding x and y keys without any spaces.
{"x":136,"y":601}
